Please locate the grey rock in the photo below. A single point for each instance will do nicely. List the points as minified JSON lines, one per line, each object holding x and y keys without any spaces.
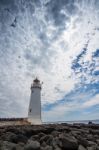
{"x":69,"y":143}
{"x":84,"y":131}
{"x":8,"y":146}
{"x":76,"y":132}
{"x":8,"y":136}
{"x":48,"y":148}
{"x":97,"y":140}
{"x":81,"y":148}
{"x":83,"y":141}
{"x":90,"y":148}
{"x":55,"y":133}
{"x":12,"y":137}
{"x":1,"y":143}
{"x":35,"y":137}
{"x":44,"y":144}
{"x":96,"y":136}
{"x":94,"y":132}
{"x":19,"y":138}
{"x":46,"y":138}
{"x":90,"y":137}
{"x":19,"y":147}
{"x":41,"y":134}
{"x":32,"y":145}
{"x":97,"y":148}
{"x":58,"y":148}
{"x":49,"y":140}
{"x":94,"y":147}
{"x":56,"y":142}
{"x":91,"y":143}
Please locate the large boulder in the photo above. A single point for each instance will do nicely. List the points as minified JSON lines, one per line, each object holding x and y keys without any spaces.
{"x":35,"y":138}
{"x":48,"y":148}
{"x":93,"y":148}
{"x":19,"y":138}
{"x":49,"y":140}
{"x":28,"y":132}
{"x":32,"y":145}
{"x":75,"y":132}
{"x":69,"y":142}
{"x":8,"y":146}
{"x":91,"y":143}
{"x":19,"y":147}
{"x":56,"y":142}
{"x":90,"y":137}
{"x":97,"y":140}
{"x":14,"y":130}
{"x":83,"y":141}
{"x":45,"y":138}
{"x":58,"y":148}
{"x":94,"y":132}
{"x":14,"y":138}
{"x":81,"y":148}
{"x":55,"y":133}
{"x":8,"y":136}
{"x":44,"y":144}
{"x":41,"y":134}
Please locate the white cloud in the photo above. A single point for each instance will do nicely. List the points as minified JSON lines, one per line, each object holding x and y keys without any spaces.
{"x":92,"y":102}
{"x":73,"y":110}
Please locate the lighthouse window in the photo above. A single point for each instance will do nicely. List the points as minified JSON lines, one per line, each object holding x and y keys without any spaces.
{"x":30,"y":110}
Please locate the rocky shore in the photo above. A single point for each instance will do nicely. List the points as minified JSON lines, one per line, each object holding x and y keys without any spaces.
{"x":50,"y":137}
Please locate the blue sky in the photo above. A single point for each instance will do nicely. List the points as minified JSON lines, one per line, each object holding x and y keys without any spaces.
{"x":58,"y":41}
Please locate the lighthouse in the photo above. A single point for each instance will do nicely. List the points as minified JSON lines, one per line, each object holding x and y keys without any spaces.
{"x":34,"y":112}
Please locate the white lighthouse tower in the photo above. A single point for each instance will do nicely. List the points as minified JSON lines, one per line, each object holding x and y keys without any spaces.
{"x":34,"y":112}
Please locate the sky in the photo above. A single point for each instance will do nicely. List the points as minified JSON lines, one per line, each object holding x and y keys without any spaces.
{"x":57,"y":41}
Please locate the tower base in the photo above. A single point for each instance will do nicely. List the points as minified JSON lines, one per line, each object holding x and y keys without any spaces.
{"x":34,"y":121}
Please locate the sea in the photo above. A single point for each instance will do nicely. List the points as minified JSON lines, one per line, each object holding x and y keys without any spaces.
{"x":75,"y":121}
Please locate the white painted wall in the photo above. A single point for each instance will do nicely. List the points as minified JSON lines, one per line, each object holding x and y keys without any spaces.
{"x":34,"y":112}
